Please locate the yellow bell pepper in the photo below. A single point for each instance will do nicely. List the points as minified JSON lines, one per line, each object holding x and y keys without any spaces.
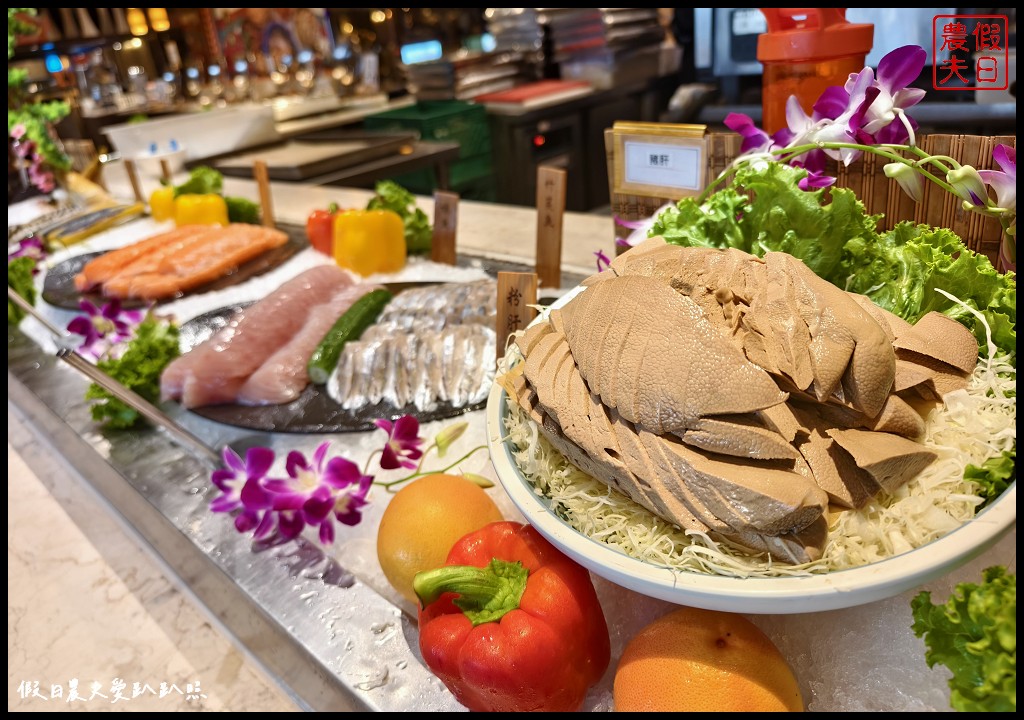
{"x":161,"y":204}
{"x":206,"y":209}
{"x":369,"y":241}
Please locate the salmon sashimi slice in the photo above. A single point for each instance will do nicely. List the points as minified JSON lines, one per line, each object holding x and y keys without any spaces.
{"x":100,"y":269}
{"x":157,"y":260}
{"x":215,"y":370}
{"x":284,"y":375}
{"x":194,"y":264}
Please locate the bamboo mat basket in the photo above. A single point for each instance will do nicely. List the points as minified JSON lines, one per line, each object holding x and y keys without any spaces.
{"x":866,"y":178}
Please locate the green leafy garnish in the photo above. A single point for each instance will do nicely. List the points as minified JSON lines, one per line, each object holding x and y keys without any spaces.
{"x":899,"y":269}
{"x":153,"y":347}
{"x":418,"y":231}
{"x":19,"y":277}
{"x":202,"y":180}
{"x":241,"y":210}
{"x":994,"y":475}
{"x":974,"y":635}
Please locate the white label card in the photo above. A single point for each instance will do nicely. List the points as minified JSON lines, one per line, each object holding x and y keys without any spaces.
{"x":673,"y":166}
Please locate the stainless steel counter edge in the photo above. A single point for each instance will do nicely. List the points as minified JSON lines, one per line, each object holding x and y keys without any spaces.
{"x":332,"y":641}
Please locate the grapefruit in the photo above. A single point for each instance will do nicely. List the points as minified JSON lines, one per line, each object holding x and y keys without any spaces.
{"x":693,"y":660}
{"x":422,"y":522}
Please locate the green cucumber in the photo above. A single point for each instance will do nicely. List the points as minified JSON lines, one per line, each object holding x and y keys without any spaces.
{"x":363,"y":313}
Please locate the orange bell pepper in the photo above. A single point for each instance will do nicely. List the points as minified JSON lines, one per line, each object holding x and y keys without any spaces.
{"x":511,"y":624}
{"x":369,"y":241}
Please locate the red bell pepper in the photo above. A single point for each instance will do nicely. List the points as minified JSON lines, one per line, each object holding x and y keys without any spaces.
{"x":511,"y":624}
{"x":320,"y":229}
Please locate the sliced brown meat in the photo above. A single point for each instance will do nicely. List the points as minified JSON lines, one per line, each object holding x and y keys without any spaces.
{"x":890,"y":459}
{"x":943,"y":338}
{"x":898,"y":417}
{"x":665,"y":365}
{"x":740,"y":436}
{"x":835,"y":320}
{"x":796,"y":548}
{"x":833,"y":470}
{"x":943,"y":378}
{"x":910,"y":375}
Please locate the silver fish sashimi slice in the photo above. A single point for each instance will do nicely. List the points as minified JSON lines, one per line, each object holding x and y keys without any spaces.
{"x":423,"y":369}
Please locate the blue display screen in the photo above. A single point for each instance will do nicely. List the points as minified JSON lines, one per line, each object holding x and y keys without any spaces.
{"x":421,"y":52}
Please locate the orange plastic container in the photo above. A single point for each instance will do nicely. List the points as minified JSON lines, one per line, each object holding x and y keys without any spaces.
{"x":805,"y":51}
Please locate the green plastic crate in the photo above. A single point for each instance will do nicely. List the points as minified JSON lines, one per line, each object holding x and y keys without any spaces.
{"x":444,"y":121}
{"x":460,"y":174}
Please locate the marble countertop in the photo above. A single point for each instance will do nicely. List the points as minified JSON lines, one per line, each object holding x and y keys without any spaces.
{"x":87,"y":604}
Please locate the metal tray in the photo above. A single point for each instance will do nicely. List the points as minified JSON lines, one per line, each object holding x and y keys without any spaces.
{"x":314,"y":411}
{"x":314,"y":154}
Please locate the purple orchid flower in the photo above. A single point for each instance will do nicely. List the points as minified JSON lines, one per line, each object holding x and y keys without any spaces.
{"x":404,"y":443}
{"x":603,"y":261}
{"x":896,"y":71}
{"x":31,"y":247}
{"x":103,"y":328}
{"x":815,"y":180}
{"x":240,"y":484}
{"x":317,"y":493}
{"x":910,"y":180}
{"x":755,"y":140}
{"x":1004,"y":182}
{"x":967,"y":183}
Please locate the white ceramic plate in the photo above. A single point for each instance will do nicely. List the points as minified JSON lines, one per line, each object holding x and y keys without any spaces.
{"x":814,"y":593}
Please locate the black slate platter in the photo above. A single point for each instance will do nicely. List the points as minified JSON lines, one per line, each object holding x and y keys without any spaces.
{"x":59,"y":284}
{"x":313,"y":411}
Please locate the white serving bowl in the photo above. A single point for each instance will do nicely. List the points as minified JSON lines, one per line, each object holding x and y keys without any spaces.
{"x":150,"y":165}
{"x":812,"y":593}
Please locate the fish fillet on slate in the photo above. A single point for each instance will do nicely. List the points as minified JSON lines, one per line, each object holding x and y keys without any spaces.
{"x":110,"y":264}
{"x":284,"y":375}
{"x":196,"y":263}
{"x":215,"y":371}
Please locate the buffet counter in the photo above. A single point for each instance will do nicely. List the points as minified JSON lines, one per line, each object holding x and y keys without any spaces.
{"x":324,"y":623}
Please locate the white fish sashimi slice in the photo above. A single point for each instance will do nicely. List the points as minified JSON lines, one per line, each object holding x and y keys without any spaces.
{"x":284,"y":375}
{"x":451,"y":364}
{"x":363,"y":390}
{"x":339,"y":384}
{"x":479,"y":365}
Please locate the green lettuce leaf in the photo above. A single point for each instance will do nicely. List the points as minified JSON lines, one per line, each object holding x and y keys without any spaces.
{"x":241,"y":210}
{"x":153,"y":347}
{"x":994,"y":475}
{"x":202,"y":180}
{"x":974,"y":635}
{"x":19,"y":278}
{"x":419,"y":233}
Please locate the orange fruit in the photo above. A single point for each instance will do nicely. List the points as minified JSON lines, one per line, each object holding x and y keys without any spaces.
{"x":422,"y":522}
{"x":694,"y":660}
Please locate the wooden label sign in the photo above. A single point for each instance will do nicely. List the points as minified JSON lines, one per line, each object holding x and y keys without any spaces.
{"x":517,"y":305}
{"x":550,"y":214}
{"x":165,"y":171}
{"x":133,"y":178}
{"x":262,"y":175}
{"x":446,"y":221}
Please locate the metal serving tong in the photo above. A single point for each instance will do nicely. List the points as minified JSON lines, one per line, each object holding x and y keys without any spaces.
{"x":66,"y":352}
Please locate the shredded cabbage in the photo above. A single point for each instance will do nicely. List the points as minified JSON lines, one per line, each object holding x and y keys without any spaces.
{"x":972,"y":426}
